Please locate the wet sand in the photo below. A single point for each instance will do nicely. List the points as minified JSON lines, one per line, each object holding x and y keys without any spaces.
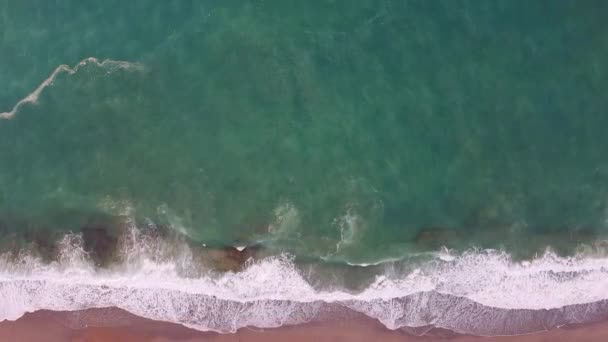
{"x":97,"y":325}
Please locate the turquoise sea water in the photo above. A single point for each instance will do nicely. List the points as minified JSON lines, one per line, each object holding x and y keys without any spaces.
{"x":312,"y":123}
{"x":361,"y":121}
{"x":331,"y":132}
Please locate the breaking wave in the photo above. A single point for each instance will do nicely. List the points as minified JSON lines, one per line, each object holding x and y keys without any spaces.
{"x":476,"y":292}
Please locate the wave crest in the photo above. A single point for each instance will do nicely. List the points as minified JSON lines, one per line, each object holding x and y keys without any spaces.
{"x":477,"y":292}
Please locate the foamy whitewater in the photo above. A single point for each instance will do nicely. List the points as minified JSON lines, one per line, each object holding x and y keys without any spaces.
{"x":476,"y":292}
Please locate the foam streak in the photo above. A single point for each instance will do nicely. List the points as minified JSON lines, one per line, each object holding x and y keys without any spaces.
{"x":33,"y":96}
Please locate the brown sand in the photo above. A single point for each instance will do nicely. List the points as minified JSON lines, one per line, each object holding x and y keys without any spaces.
{"x":114,"y":325}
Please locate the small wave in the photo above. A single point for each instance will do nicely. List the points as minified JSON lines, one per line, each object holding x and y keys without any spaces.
{"x":111,"y":65}
{"x":476,"y":292}
{"x":332,"y":258}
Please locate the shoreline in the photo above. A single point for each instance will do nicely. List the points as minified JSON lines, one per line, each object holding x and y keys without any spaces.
{"x":481,"y":293}
{"x":113,"y":324}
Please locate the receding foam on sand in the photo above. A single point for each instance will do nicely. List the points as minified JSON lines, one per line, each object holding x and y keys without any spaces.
{"x":478,"y":292}
{"x":111,"y":65}
{"x":112,"y":324}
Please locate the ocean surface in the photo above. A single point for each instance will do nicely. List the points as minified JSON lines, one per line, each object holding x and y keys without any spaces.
{"x":223,"y":164}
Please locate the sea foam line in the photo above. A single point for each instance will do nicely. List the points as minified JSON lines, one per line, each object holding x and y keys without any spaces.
{"x":478,"y":292}
{"x":270,"y":294}
{"x":33,"y":96}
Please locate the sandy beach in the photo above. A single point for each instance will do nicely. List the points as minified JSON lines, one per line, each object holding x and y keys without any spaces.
{"x":98,"y":325}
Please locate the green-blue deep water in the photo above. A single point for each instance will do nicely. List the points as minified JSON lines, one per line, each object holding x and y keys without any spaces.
{"x":358,"y":129}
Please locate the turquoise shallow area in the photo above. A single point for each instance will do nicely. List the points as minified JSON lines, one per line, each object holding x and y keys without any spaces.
{"x":353,"y":129}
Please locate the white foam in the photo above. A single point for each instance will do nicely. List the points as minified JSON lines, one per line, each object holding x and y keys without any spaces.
{"x":349,"y":226}
{"x":272,"y":292}
{"x":33,"y":96}
{"x":286,"y":221}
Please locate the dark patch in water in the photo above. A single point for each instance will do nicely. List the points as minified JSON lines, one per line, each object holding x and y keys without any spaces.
{"x":435,"y":236}
{"x":99,"y":243}
{"x":231,"y":259}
